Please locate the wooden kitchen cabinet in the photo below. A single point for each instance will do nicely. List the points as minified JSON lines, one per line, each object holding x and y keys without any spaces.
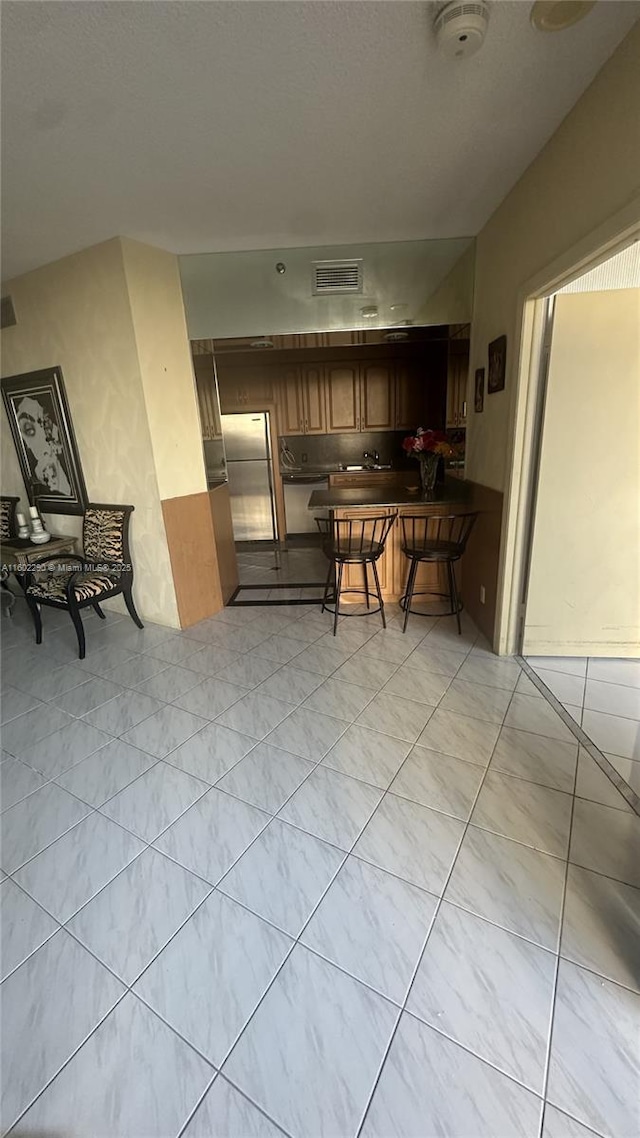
{"x":290,"y":413}
{"x":301,"y":402}
{"x":207,"y":396}
{"x":410,"y":410}
{"x":313,"y":400}
{"x":377,"y":397}
{"x":244,"y":389}
{"x":353,"y":575}
{"x":457,"y":379}
{"x":342,"y":393}
{"x":359,"y":397}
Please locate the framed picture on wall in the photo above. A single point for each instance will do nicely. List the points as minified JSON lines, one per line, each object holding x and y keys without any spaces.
{"x":36,"y":404}
{"x":497,"y":365}
{"x":479,"y":391}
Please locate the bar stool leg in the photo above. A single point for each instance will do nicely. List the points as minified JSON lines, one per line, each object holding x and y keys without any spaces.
{"x":379,"y":592}
{"x":408,"y":596}
{"x":325,"y":595}
{"x":340,"y":567}
{"x":366,"y":584}
{"x":454,"y":595}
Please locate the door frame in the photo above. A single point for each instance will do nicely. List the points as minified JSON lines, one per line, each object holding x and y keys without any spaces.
{"x":527,"y":405}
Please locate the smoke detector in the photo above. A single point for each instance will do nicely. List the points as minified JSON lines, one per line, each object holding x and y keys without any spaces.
{"x":460,"y":28}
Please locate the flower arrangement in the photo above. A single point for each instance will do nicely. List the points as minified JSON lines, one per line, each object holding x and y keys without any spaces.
{"x":429,"y":442}
{"x":428,"y":447}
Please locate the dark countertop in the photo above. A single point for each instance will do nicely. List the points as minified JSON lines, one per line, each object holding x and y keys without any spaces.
{"x":454,"y":491}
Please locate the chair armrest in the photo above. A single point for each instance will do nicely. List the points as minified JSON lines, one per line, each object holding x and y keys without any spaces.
{"x":41,"y":562}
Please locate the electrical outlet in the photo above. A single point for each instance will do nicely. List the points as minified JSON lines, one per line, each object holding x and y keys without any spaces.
{"x":483,"y":595}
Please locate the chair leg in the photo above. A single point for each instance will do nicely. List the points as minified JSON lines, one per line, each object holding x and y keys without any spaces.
{"x":131,"y":608}
{"x":101,"y":614}
{"x":454,"y":595}
{"x":74,"y":613}
{"x":408,"y":596}
{"x":327,"y":584}
{"x":379,"y":592}
{"x":340,"y":567}
{"x":37,"y":619}
{"x":366,"y":584}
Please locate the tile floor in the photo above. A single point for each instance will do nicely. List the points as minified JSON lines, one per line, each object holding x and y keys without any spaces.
{"x":258,"y":880}
{"x":267,"y":576}
{"x":603,"y":697}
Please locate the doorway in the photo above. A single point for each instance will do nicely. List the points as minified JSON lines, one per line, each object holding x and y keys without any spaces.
{"x":580,"y":618}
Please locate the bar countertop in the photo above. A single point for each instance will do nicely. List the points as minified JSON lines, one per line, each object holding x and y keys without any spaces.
{"x":453,"y":492}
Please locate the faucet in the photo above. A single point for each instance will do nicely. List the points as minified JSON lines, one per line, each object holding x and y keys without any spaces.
{"x":371,"y":458}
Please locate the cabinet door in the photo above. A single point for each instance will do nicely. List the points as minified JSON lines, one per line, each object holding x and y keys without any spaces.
{"x":313,"y":401}
{"x":290,"y":414}
{"x":342,"y":386}
{"x":207,"y":396}
{"x":376,"y":397}
{"x":457,"y":376}
{"x":353,"y":575}
{"x":410,"y":398}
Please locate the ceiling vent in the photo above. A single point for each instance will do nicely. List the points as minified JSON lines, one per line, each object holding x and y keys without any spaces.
{"x":7,"y":313}
{"x":335,"y":278}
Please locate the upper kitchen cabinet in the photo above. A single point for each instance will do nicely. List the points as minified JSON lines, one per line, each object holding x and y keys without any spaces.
{"x":377,"y":397}
{"x":410,"y":398}
{"x":457,"y":378}
{"x":290,"y":412}
{"x":207,"y":396}
{"x":313,"y":401}
{"x":243,"y":388}
{"x":301,"y":404}
{"x":342,"y":390}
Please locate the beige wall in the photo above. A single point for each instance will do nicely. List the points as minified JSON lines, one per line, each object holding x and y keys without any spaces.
{"x":160,"y":330}
{"x":588,"y":171}
{"x":77,"y":313}
{"x":452,"y":301}
{"x":584,"y":584}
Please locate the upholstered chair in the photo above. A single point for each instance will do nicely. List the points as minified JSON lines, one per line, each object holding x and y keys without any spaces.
{"x":104,"y":571}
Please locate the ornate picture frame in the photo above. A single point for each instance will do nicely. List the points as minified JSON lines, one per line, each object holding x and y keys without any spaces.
{"x":38,"y":412}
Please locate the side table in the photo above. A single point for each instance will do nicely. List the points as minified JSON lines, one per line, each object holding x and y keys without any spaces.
{"x":18,"y":552}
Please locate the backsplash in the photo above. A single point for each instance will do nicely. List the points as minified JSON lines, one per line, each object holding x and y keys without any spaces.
{"x":323,"y":450}
{"x":348,"y":449}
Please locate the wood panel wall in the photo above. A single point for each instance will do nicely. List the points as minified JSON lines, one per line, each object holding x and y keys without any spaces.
{"x":220,"y":506}
{"x":482,"y":557}
{"x":194,"y":559}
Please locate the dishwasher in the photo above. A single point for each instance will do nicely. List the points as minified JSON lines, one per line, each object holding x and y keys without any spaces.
{"x":298,"y":488}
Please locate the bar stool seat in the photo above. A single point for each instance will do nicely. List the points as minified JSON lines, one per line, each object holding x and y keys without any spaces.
{"x":353,"y":541}
{"x":434,"y":538}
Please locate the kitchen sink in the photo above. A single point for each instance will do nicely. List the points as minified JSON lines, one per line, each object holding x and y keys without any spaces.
{"x":369,"y":466}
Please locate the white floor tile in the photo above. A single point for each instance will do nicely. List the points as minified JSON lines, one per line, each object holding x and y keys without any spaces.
{"x":489,"y":990}
{"x":208,"y":980}
{"x":373,"y":926}
{"x":134,"y":1076}
{"x":130,"y":920}
{"x":316,"y":1028}
{"x":24,"y":926}
{"x":414,"y":1095}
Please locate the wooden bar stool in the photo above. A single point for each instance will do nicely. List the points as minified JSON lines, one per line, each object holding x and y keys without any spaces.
{"x":353,"y":541}
{"x":440,"y":539}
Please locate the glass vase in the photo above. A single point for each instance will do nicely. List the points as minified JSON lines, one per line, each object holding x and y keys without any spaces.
{"x":428,"y":471}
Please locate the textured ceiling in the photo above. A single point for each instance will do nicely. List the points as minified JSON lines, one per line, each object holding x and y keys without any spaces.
{"x":239,"y":125}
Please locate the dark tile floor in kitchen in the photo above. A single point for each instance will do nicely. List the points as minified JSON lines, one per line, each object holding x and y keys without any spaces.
{"x":294,"y":572}
{"x":258,"y":880}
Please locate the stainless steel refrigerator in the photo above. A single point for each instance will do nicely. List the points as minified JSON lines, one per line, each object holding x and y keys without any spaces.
{"x":250,"y":472}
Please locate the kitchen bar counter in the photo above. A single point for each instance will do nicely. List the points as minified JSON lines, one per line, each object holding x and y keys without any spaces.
{"x":451,"y":497}
{"x":453,"y":492}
